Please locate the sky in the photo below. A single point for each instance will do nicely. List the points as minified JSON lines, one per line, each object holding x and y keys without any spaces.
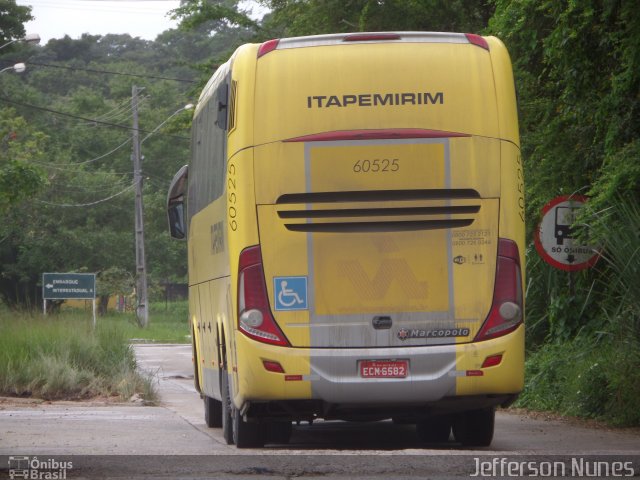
{"x":139,"y":18}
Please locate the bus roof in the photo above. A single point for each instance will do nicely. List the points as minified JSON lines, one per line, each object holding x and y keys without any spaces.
{"x":368,"y":37}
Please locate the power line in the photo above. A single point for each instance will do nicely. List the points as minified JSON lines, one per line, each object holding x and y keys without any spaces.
{"x":87,"y":204}
{"x":59,"y":165}
{"x":121,"y":112}
{"x":112,"y":73}
{"x":121,"y":108}
{"x":93,"y":120}
{"x":68,"y":188}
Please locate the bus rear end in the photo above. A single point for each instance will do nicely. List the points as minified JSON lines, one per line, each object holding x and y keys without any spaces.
{"x":389,"y":207}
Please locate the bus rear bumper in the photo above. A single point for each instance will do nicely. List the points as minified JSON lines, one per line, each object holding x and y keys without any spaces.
{"x":439,"y":378}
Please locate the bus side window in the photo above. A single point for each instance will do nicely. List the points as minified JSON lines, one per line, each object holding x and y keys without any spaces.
{"x":223,"y":102}
{"x":176,"y":205}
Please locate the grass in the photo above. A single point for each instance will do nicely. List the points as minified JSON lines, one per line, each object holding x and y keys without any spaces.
{"x":585,"y":377}
{"x":63,"y":357}
{"x":595,"y":372}
{"x":168,"y":323}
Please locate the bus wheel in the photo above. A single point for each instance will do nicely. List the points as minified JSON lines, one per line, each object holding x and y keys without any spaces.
{"x":279,"y":432}
{"x":234,"y":428}
{"x":245,"y":434}
{"x":475,"y":428}
{"x":212,"y":412}
{"x":434,"y":430}
{"x":227,"y":427}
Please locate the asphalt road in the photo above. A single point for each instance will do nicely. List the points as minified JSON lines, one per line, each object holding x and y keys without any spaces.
{"x":172,"y":441}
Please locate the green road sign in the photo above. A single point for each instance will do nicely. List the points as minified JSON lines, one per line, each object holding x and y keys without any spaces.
{"x":63,"y":286}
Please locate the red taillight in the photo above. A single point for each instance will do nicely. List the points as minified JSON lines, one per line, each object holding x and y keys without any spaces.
{"x":477,"y":40}
{"x":268,"y":46}
{"x":254,"y":314}
{"x":507,"y":308}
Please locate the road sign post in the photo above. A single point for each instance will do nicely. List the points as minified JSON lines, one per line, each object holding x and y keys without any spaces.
{"x":69,"y":286}
{"x":554,"y":238}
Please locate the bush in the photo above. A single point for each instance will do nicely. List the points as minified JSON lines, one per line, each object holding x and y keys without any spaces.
{"x":62,"y":357}
{"x":585,"y":377}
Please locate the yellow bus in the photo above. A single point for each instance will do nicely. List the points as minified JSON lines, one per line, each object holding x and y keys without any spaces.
{"x":354,"y":213}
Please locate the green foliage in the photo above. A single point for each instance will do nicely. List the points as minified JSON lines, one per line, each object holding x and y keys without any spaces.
{"x":577,"y":71}
{"x":559,"y":305}
{"x":12,"y":20}
{"x":288,"y":18}
{"x":20,"y":145}
{"x":594,"y":372}
{"x":622,"y":257}
{"x":62,"y":357}
{"x":114,"y":281}
{"x":576,"y":68}
{"x":196,"y":12}
{"x":587,"y":378}
{"x":168,"y":323}
{"x":308,"y":17}
{"x":68,"y":181}
{"x":425,"y":15}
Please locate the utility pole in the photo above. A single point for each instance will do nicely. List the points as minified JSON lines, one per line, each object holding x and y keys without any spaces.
{"x":142,"y":310}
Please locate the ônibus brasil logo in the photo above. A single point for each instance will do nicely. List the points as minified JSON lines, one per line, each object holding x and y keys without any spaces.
{"x":34,"y":468}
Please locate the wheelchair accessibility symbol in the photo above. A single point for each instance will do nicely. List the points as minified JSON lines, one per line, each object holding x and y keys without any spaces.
{"x":290,"y":293}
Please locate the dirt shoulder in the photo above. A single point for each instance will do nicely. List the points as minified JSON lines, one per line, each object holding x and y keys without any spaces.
{"x":573,"y":421}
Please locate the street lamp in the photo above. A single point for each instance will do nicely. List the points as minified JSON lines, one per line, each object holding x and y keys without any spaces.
{"x":18,"y":67}
{"x":142,"y":310}
{"x":28,"y":38}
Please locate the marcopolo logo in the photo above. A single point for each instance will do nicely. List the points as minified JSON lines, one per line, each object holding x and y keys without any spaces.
{"x":405,"y":334}
{"x":38,"y":469}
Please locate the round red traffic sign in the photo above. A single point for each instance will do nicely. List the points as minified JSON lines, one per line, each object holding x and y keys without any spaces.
{"x":554,"y":236}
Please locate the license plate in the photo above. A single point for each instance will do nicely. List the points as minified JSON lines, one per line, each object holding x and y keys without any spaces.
{"x":384,"y":368}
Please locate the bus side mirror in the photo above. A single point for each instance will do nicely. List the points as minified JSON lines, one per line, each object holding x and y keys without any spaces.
{"x":223,"y":102}
{"x":176,"y":211}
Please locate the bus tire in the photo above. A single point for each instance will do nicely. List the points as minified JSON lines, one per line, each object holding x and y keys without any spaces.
{"x":227,"y":427}
{"x":434,"y":430}
{"x":245,"y":434}
{"x":475,"y":428}
{"x":212,"y":412}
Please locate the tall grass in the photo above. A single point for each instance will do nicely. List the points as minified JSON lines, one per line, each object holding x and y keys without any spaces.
{"x":593,"y":370}
{"x":622,"y":254}
{"x":585,"y":377}
{"x":62,"y":357}
{"x":168,"y":323}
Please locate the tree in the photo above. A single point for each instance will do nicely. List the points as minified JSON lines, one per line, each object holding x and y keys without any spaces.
{"x":307,"y":17}
{"x":12,"y":20}
{"x":112,"y":281}
{"x":577,"y":72}
{"x":20,"y":145}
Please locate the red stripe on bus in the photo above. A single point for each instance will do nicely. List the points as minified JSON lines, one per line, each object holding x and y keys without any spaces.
{"x":375,"y":134}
